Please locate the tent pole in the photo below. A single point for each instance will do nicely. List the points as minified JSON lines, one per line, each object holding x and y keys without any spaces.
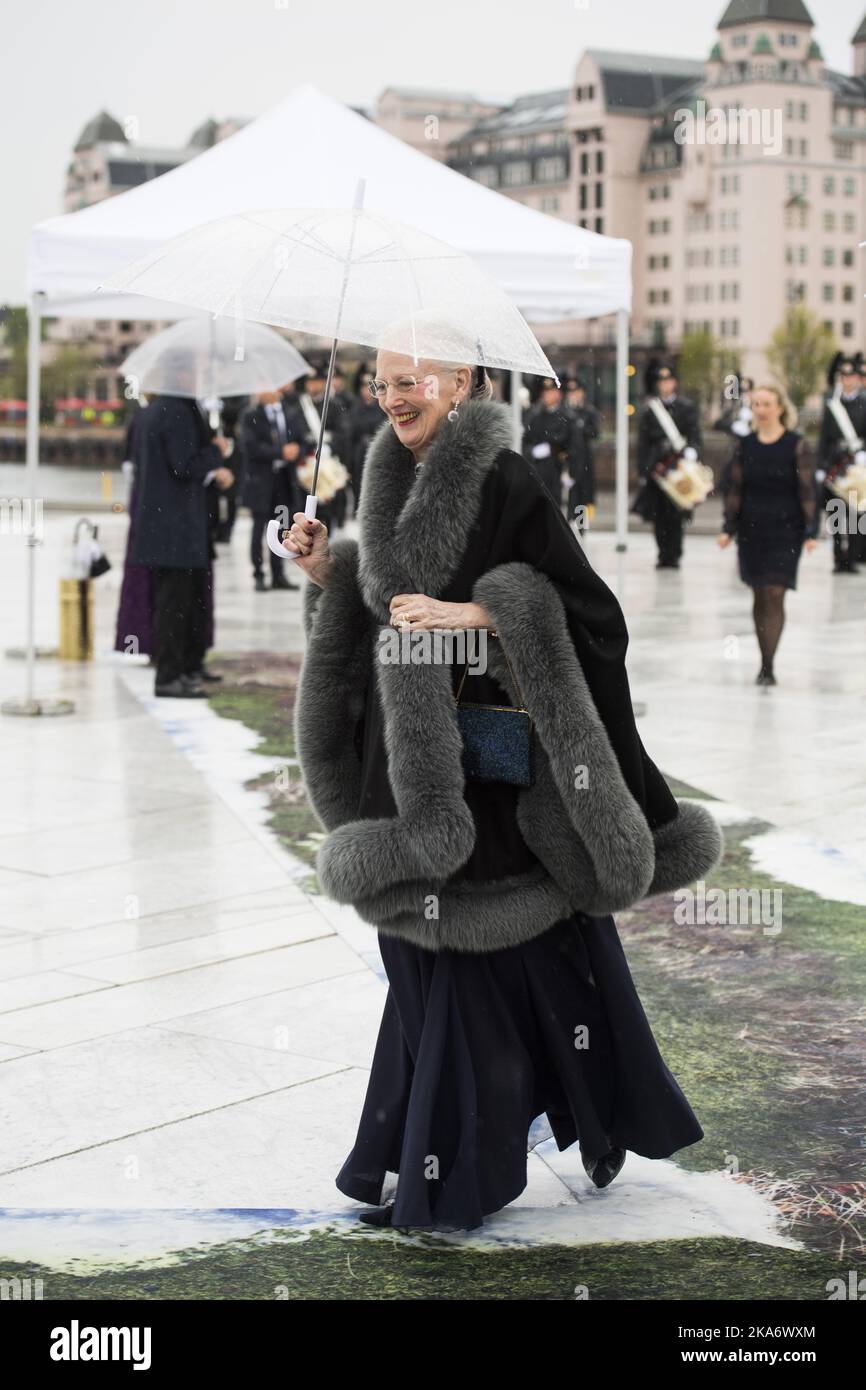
{"x":621,"y":430}
{"x":32,"y":519}
{"x":34,"y":365}
{"x":516,"y":412}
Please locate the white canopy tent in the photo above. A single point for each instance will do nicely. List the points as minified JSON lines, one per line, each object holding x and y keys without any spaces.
{"x":310,"y":151}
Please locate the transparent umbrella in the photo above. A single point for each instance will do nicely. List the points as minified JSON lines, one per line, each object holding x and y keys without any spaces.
{"x":350,"y":274}
{"x":209,"y":358}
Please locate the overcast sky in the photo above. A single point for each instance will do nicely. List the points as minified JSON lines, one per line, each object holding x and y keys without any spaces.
{"x":173,"y":63}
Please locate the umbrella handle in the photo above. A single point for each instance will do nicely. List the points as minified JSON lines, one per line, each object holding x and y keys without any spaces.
{"x":274,"y":529}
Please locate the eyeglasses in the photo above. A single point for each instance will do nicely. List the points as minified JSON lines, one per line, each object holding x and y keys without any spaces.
{"x":406,"y":385}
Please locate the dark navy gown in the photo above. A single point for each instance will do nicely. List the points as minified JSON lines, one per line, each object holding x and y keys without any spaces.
{"x":472,"y":1048}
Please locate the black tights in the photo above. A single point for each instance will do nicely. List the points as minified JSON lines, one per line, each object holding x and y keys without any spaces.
{"x":769,"y":614}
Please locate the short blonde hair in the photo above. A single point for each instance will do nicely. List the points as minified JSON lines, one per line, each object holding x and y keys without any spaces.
{"x":788,"y":416}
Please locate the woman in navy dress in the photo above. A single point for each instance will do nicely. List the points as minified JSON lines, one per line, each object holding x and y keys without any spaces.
{"x":770,"y":509}
{"x":474,"y":1047}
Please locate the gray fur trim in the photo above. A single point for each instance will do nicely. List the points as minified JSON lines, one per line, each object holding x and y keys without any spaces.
{"x":433,"y":833}
{"x":414,"y":530}
{"x":617,"y":866}
{"x":330,"y":696}
{"x":687,"y":848}
{"x":480,"y":916}
{"x":596,"y":851}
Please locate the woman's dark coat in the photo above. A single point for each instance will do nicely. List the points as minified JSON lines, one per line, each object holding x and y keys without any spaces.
{"x":478,"y":524}
{"x":173,"y":459}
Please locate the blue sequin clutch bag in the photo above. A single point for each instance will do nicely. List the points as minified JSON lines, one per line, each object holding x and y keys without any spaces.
{"x":497,"y":739}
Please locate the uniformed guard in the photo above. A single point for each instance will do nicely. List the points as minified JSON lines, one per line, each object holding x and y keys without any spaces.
{"x":547,"y":436}
{"x":838,"y":443}
{"x":656,"y":454}
{"x":586,"y":428}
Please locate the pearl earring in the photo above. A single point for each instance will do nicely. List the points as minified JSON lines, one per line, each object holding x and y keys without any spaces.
{"x":453,"y":412}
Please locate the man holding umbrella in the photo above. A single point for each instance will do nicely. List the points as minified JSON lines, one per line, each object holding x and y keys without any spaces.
{"x":177,"y":462}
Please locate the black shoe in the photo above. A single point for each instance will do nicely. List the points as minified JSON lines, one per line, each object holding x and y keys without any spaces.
{"x":181,"y":689}
{"x":260,"y":585}
{"x":602,"y":1171}
{"x":379,"y":1216}
{"x":202,"y":675}
{"x":281,"y":582}
{"x":667,"y":564}
{"x":765,"y":677}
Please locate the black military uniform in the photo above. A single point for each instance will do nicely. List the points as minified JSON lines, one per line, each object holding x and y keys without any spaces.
{"x":586,"y":428}
{"x":269,"y":480}
{"x":653,"y":448}
{"x":547,"y":439}
{"x":833,"y":453}
{"x":366,"y":418}
{"x":736,"y":420}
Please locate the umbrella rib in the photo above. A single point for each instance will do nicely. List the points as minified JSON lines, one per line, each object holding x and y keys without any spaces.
{"x":238,"y":286}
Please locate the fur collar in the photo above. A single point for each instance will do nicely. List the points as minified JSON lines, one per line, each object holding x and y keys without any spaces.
{"x":595,"y":848}
{"x":414,"y":529}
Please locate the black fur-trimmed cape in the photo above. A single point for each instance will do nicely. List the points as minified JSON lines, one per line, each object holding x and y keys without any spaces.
{"x":601,"y":845}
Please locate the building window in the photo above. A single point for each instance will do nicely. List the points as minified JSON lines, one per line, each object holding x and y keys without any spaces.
{"x":584,"y":162}
{"x":599,"y":224}
{"x":582,"y":195}
{"x":599,"y":161}
{"x":829,"y":257}
{"x":828,"y":293}
{"x":847,"y":257}
{"x":847,"y":294}
{"x":829,"y":184}
{"x":549,"y":205}
{"x":516,"y":173}
{"x":599,"y":195}
{"x":847,"y":329}
{"x":843,"y":149}
{"x":829,"y":221}
{"x":849,"y":187}
{"x":551,"y":169}
{"x":849,"y":222}
{"x":488,"y":174}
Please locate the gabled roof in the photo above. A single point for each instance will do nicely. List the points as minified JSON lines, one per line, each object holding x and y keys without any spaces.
{"x":860,"y":36}
{"x":537,"y":111}
{"x":639,"y":81}
{"x":101,"y":129}
{"x":783,"y":11}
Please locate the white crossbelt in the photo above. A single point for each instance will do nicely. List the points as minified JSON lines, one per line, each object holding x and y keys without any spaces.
{"x":666,"y":420}
{"x":844,"y":421}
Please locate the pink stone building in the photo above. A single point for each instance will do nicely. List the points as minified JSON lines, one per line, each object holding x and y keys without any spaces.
{"x":740,"y":180}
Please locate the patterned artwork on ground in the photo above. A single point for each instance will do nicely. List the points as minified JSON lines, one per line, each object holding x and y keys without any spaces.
{"x":763,"y":1030}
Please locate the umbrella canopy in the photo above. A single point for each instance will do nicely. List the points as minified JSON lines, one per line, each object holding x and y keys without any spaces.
{"x":352,"y":274}
{"x":210,"y":358}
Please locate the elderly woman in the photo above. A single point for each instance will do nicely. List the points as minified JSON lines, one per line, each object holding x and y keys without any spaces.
{"x":509,"y":994}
